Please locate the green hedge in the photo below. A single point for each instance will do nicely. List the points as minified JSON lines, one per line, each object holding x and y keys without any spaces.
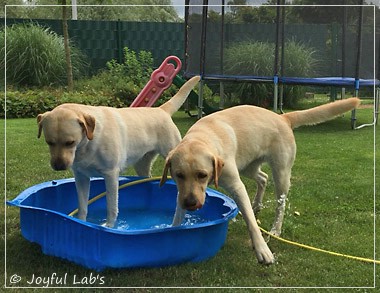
{"x":30,"y":103}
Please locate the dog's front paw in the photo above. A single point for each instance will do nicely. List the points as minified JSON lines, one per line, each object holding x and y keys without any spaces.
{"x":108,"y":225}
{"x":265,"y":256}
{"x":263,"y":253}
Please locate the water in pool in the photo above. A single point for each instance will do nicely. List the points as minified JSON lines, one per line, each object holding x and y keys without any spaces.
{"x":141,"y":219}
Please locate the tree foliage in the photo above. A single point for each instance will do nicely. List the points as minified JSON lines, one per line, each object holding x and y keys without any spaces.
{"x":130,"y":10}
{"x":328,"y":12}
{"x":306,"y":11}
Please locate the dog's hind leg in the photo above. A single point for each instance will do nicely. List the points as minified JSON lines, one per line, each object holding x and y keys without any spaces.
{"x":261,"y":178}
{"x":281,"y":179}
{"x":143,"y":167}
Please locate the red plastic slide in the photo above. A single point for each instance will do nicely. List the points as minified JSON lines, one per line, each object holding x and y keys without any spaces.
{"x":159,"y":81}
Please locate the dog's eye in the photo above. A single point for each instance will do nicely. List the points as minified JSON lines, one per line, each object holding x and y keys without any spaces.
{"x":50,"y":143}
{"x":202,"y":175}
{"x":180,"y":176}
{"x":69,"y":143}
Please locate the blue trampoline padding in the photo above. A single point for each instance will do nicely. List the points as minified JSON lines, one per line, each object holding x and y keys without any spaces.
{"x":232,"y":77}
{"x":322,"y":81}
{"x":333,"y":81}
{"x":238,"y":77}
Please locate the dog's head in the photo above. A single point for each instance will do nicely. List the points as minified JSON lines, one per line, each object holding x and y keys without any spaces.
{"x":64,"y":129}
{"x":192,"y":167}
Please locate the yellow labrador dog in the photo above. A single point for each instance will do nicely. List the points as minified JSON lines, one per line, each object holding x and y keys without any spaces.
{"x":102,"y":141}
{"x":235,"y":141}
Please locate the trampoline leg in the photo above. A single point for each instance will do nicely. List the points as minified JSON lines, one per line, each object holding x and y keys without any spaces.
{"x":200,"y":100}
{"x":275,"y":98}
{"x":353,"y":113}
{"x":353,"y":119}
{"x":281,"y":98}
{"x":221,"y":89}
{"x":343,"y":93}
{"x":375,"y":111}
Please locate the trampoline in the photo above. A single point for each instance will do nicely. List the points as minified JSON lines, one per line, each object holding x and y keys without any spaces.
{"x":346,"y":47}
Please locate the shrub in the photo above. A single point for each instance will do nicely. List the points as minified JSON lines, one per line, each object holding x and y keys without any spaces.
{"x":122,"y":80}
{"x":36,"y":56}
{"x":256,"y":59}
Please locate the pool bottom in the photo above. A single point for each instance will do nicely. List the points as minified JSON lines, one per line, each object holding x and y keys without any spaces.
{"x":142,"y":219}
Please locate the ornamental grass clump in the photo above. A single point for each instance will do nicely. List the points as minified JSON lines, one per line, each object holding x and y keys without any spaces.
{"x":257,"y":59}
{"x":35,"y":56}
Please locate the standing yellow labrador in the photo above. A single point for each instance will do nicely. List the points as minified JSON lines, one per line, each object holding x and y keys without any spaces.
{"x":239,"y":140}
{"x":102,"y":141}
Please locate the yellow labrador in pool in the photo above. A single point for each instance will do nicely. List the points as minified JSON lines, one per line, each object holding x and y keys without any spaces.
{"x":102,"y":141}
{"x":235,"y":141}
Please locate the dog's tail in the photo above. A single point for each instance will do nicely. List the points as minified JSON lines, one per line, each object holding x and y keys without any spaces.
{"x":176,"y":101}
{"x":321,"y":113}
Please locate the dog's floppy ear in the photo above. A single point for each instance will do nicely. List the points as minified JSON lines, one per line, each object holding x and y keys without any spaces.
{"x":88,"y":124}
{"x":218,"y":166}
{"x":40,"y":117}
{"x":165,"y":172}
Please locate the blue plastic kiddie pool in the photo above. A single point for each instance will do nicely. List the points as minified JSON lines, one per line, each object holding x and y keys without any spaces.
{"x":143,"y":235}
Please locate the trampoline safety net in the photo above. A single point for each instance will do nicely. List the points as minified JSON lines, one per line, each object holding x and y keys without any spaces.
{"x":257,"y":41}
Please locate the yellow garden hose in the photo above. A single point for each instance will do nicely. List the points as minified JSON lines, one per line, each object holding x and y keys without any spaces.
{"x":319,"y":249}
{"x":139,"y":181}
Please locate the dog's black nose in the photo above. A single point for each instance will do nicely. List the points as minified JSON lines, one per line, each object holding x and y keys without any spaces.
{"x":190,"y":203}
{"x":58,"y":165}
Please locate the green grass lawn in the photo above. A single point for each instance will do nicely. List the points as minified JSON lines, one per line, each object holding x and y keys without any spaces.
{"x":332,"y":192}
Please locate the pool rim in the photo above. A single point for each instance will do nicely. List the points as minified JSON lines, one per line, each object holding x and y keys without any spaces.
{"x":227,"y":201}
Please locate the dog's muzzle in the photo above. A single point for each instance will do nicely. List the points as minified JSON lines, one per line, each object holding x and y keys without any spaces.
{"x":59,"y":165}
{"x":191,"y":203}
